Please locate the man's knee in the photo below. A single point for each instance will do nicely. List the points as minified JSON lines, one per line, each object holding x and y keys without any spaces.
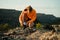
{"x":31,"y":25}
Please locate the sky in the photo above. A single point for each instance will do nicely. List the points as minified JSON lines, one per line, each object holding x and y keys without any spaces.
{"x":41,"y":6}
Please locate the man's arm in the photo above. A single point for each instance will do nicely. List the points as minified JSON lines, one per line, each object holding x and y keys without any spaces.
{"x":20,"y":19}
{"x":33,"y":17}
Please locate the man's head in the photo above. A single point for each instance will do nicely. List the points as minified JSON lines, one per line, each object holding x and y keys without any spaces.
{"x":28,"y":8}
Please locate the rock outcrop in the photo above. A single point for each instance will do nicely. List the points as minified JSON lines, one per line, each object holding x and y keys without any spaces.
{"x":19,"y":34}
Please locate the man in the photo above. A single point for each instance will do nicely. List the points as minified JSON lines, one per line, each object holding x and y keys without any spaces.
{"x":27,"y":17}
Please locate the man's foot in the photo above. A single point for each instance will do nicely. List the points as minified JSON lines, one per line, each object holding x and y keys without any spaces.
{"x":29,"y":30}
{"x":32,"y":30}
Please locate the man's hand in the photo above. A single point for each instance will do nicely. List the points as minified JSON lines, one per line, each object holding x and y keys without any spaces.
{"x":21,"y":24}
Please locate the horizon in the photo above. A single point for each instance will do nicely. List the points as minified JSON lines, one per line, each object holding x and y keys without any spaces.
{"x":41,"y":6}
{"x":21,"y":10}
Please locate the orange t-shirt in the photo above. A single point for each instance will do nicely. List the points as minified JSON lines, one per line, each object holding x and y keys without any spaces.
{"x":31,"y":15}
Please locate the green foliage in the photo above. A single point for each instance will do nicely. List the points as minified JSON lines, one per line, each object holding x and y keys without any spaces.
{"x":38,"y":26}
{"x":4,"y":27}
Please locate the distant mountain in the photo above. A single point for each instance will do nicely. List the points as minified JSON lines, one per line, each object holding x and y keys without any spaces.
{"x":11,"y":16}
{"x":45,"y":18}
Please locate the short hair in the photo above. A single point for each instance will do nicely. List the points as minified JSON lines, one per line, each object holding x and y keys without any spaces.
{"x":30,"y":8}
{"x":25,"y":9}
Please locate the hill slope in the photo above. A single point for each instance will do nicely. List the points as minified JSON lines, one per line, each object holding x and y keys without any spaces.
{"x":11,"y":16}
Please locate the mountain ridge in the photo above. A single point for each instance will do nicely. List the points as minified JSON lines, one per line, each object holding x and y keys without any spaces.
{"x":11,"y":16}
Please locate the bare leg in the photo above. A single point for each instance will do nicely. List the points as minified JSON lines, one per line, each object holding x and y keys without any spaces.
{"x":31,"y":25}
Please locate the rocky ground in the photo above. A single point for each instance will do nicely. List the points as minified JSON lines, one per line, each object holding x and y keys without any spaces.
{"x":27,"y":34}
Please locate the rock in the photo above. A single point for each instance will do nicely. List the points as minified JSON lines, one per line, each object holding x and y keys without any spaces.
{"x":53,"y":37}
{"x":34,"y":36}
{"x":30,"y":34}
{"x":48,"y":36}
{"x":42,"y":36}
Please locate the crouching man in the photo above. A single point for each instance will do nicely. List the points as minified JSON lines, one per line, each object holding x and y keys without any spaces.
{"x":27,"y":17}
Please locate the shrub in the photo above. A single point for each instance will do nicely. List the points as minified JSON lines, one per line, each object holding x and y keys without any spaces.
{"x":38,"y":26}
{"x":4,"y":27}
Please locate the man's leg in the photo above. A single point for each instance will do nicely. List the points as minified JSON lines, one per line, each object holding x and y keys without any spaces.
{"x":24,"y":24}
{"x":31,"y":25}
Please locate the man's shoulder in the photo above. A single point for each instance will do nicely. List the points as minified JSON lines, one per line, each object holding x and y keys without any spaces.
{"x":34,"y":10}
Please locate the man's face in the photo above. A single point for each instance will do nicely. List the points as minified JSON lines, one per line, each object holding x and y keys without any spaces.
{"x":28,"y":9}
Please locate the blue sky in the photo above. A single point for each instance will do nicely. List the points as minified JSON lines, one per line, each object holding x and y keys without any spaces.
{"x":41,"y":6}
